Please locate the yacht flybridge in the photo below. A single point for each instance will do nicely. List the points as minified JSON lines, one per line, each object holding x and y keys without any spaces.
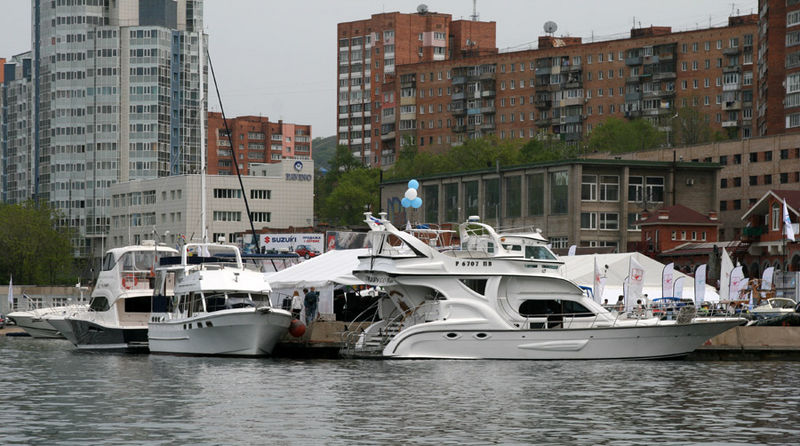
{"x":212,"y":304}
{"x":501,"y":297}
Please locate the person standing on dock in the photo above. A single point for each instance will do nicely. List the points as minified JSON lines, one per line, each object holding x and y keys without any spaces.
{"x":311,"y":301}
{"x":297,"y":305}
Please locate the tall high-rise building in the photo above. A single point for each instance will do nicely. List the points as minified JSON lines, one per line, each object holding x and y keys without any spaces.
{"x":464,"y":88}
{"x":779,"y":66}
{"x":16,"y":131}
{"x":369,"y":52}
{"x":116,"y":94}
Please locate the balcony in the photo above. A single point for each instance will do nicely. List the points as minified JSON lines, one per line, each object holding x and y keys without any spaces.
{"x":488,"y":93}
{"x":665,"y":75}
{"x":458,"y":96}
{"x":574,"y":84}
{"x":572,"y":119}
{"x":732,"y":69}
{"x":542,"y":122}
{"x":388,"y":136}
{"x":636,"y":60}
{"x":488,"y":110}
{"x":632,"y":79}
{"x":459,"y":128}
{"x":731,"y":87}
{"x":458,"y":80}
{"x":730,"y":51}
{"x":731,"y":105}
{"x":487,"y":75}
{"x":543,"y":103}
{"x":632,"y":97}
{"x":729,"y":124}
{"x":571,"y":101}
{"x":633,"y":114}
{"x":488,"y":126}
{"x":649,"y":60}
{"x":666,"y":57}
{"x":543,"y":71}
{"x":408,"y":100}
{"x":569,"y":137}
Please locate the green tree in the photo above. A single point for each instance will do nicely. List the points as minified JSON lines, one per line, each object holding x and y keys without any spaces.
{"x":35,"y":252}
{"x":618,"y":136}
{"x":354,"y":190}
{"x":691,"y":126}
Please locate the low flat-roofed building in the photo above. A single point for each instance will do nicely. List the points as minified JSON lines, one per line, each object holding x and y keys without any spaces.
{"x":280,"y":194}
{"x":588,"y":203}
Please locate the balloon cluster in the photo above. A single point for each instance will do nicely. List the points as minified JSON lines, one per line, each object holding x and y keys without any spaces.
{"x":411,"y":199}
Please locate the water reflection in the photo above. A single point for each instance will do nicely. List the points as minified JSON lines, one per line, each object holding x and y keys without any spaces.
{"x":51,"y":393}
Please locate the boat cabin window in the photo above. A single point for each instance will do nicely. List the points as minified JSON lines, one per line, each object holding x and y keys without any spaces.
{"x":108,"y":262}
{"x":239,"y":300}
{"x":476,"y":285}
{"x":215,"y":302}
{"x":539,"y":253}
{"x":196,"y":303}
{"x":99,"y":303}
{"x":141,"y":304}
{"x":543,"y":308}
{"x":513,"y":248}
{"x":138,"y":261}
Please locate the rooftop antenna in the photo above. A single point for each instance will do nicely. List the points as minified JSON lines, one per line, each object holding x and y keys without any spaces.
{"x":474,"y":16}
{"x":550,"y":27}
{"x":422,"y":9}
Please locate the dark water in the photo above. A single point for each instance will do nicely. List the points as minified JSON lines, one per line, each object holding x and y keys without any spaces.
{"x":50,"y":394}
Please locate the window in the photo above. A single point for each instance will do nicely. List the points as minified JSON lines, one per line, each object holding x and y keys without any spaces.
{"x":589,"y":188}
{"x":633,"y":218}
{"x":535,"y":194}
{"x":635,"y":189}
{"x":471,"y":197}
{"x":609,"y":221}
{"x":655,"y":189}
{"x":609,"y":188}
{"x":753,"y":180}
{"x":588,"y":220}
{"x":513,"y":197}
{"x":559,"y":192}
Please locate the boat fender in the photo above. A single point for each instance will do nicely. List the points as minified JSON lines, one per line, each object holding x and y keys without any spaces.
{"x":130,"y":281}
{"x":297,"y":328}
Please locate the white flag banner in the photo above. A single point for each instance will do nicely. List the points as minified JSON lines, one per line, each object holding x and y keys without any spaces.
{"x":10,"y":293}
{"x":766,"y":278}
{"x":635,"y":283}
{"x":571,"y":251}
{"x":725,"y":275}
{"x":599,"y":283}
{"x":738,"y":283}
{"x":788,"y":230}
{"x":678,"y":289}
{"x":700,"y":284}
{"x":667,"y":276}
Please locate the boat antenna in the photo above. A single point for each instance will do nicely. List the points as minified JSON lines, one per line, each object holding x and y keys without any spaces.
{"x":233,"y":149}
{"x":203,"y":146}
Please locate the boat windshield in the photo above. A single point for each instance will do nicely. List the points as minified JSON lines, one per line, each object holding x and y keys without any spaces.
{"x":538,"y":253}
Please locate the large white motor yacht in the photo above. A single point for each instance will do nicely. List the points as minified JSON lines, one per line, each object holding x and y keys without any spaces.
{"x":120,"y":303}
{"x":500,"y":297}
{"x":211,"y":304}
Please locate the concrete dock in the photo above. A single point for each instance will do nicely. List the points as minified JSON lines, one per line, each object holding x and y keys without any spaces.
{"x":752,"y":343}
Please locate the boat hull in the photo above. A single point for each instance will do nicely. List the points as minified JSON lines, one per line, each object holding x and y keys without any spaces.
{"x":91,"y":335}
{"x":236,"y":332}
{"x":61,"y":325}
{"x":36,"y":326}
{"x":660,"y":341}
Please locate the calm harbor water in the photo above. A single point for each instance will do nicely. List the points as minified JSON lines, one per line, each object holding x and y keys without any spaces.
{"x":51,"y":394}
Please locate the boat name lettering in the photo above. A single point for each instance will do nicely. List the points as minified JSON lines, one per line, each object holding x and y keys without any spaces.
{"x":469,"y":263}
{"x":379,"y":279}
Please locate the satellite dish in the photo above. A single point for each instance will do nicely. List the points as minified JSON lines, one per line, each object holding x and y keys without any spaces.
{"x":422,"y":8}
{"x":550,"y":27}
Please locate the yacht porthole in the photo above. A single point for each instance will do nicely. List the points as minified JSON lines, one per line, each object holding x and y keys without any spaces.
{"x":452,"y":335}
{"x":480,"y":335}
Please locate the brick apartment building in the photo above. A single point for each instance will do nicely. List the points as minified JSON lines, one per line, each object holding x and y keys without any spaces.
{"x":369,"y":53}
{"x":779,"y":66}
{"x":256,"y":140}
{"x":565,"y":87}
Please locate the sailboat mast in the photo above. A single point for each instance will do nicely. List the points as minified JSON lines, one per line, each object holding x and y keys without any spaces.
{"x":203,"y":145}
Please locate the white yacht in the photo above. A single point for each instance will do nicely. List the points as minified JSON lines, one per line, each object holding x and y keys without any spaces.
{"x":774,"y":307}
{"x":500,"y":297}
{"x":211,"y":304}
{"x":37,"y":322}
{"x":120,"y":303}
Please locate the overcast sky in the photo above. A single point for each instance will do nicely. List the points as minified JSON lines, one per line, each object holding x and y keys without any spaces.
{"x":278,"y":59}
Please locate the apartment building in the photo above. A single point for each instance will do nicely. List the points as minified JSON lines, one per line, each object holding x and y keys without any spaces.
{"x":370,"y":52}
{"x":565,"y":88}
{"x":16,"y":131}
{"x":115,"y":93}
{"x":591,"y":203}
{"x":255,"y":140}
{"x":779,"y":66}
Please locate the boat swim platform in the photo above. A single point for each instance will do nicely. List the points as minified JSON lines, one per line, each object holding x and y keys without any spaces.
{"x":751,"y":343}
{"x":322,"y":339}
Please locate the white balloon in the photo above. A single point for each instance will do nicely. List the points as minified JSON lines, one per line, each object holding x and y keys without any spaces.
{"x":411,"y":194}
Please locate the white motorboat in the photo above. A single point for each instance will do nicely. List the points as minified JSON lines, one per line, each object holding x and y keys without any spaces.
{"x":33,"y":322}
{"x":500,"y":297}
{"x":774,"y":307}
{"x":120,"y":303}
{"x":211,"y":304}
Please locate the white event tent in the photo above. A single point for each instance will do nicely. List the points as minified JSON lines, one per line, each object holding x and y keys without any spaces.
{"x":323,"y":272}
{"x":580,"y":269}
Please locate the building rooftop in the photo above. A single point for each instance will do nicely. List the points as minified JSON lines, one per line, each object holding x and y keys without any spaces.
{"x":677,"y":214}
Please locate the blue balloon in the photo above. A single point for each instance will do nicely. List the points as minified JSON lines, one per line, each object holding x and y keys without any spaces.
{"x":413,"y":184}
{"x":405,"y":202}
{"x":417,"y":202}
